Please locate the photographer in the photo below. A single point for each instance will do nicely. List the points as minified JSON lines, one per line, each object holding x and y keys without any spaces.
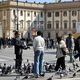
{"x":18,"y":48}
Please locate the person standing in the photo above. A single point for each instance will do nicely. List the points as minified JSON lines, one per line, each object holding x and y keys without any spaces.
{"x":77,"y":48}
{"x":18,"y":49}
{"x":38,"y":46}
{"x":70,"y":45}
{"x":0,"y":42}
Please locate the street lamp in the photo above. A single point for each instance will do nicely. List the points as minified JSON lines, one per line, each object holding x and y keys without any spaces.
{"x":1,"y":29}
{"x":17,"y":16}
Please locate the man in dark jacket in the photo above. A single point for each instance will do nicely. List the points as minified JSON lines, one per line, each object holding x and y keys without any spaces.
{"x":18,"y":46}
{"x":77,"y":46}
{"x":70,"y":45}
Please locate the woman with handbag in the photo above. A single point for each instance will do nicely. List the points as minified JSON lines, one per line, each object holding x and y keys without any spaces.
{"x":61,"y":45}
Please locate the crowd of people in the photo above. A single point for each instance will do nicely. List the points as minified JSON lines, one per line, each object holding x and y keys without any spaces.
{"x":9,"y":42}
{"x":69,"y":45}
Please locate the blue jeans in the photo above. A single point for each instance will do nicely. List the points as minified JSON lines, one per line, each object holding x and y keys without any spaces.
{"x":38,"y":62}
{"x":71,"y":55}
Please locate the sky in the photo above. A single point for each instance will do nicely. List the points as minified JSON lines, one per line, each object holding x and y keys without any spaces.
{"x":42,"y":1}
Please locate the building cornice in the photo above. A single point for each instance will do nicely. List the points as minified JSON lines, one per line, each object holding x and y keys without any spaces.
{"x":38,"y":6}
{"x":62,"y":5}
{"x":22,"y":5}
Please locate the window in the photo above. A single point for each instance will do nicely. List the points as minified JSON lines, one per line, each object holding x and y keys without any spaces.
{"x":35,"y":14}
{"x":28,"y":14}
{"x":35,"y":23}
{"x":41,"y":25}
{"x":57,"y":14}
{"x":21,"y":13}
{"x":49,"y":35}
{"x":65,"y":24}
{"x":41,"y":14}
{"x":74,"y":24}
{"x":21,"y":24}
{"x":73,"y":13}
{"x":4,"y":13}
{"x":65,"y":13}
{"x":41,"y":22}
{"x":14,"y":12}
{"x":28,"y":24}
{"x":57,"y":24}
{"x":49,"y":25}
{"x":49,"y":14}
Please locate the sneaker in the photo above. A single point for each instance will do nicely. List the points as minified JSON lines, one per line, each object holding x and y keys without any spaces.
{"x":36,"y":76}
{"x":42,"y":74}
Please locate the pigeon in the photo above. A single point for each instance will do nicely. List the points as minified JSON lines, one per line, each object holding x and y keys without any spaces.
{"x":70,"y":70}
{"x":77,"y":65}
{"x":26,"y":77}
{"x":17,"y":78}
{"x":74,"y":74}
{"x":4,"y":68}
{"x":61,"y":75}
{"x":50,"y":78}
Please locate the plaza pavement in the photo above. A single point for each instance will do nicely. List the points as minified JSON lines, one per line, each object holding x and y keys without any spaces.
{"x":7,"y":56}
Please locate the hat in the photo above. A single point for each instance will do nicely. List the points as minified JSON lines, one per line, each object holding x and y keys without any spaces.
{"x":17,"y":33}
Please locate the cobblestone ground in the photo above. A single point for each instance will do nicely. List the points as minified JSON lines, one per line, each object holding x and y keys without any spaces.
{"x":7,"y":56}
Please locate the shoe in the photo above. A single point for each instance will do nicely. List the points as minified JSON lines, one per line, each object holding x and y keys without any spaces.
{"x":36,"y":76}
{"x":42,"y":75}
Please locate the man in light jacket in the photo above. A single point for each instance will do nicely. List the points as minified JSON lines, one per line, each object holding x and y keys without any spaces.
{"x":38,"y":46}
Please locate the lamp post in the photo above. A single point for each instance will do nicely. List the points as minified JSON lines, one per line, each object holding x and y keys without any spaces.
{"x":1,"y":29}
{"x":17,"y":16}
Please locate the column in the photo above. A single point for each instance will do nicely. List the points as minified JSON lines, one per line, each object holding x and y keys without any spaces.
{"x":53,"y":19}
{"x":78,"y":15}
{"x":24,"y":20}
{"x":61,"y":27}
{"x":45,"y":23}
{"x":70,"y":20}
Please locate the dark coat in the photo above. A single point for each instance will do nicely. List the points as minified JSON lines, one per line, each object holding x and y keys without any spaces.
{"x":77,"y":44}
{"x":19,"y":46}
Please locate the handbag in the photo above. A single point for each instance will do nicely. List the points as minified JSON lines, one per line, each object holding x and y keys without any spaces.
{"x":64,"y":51}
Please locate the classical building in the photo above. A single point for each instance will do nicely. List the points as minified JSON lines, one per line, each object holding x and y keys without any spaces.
{"x":51,"y":18}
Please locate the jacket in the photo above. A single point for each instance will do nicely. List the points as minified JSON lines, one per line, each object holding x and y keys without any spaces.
{"x":70,"y":43}
{"x":19,"y":46}
{"x":38,"y":43}
{"x":59,"y":52}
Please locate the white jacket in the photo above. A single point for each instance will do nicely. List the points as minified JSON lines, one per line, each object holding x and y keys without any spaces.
{"x":38,"y":43}
{"x":59,"y":53}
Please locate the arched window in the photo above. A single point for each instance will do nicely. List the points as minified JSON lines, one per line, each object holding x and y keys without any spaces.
{"x":49,"y":35}
{"x":74,"y":24}
{"x":65,"y":13}
{"x":57,"y":24}
{"x":21,"y":13}
{"x":49,"y":24}
{"x":74,"y":13}
{"x":65,"y":24}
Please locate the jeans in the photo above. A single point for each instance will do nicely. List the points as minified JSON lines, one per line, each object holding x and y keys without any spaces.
{"x":38,"y":62}
{"x":71,"y":55}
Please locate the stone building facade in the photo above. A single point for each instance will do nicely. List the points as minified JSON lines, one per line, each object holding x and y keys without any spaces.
{"x":51,"y":18}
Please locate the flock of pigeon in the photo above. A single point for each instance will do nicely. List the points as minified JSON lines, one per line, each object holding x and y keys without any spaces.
{"x":28,"y":68}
